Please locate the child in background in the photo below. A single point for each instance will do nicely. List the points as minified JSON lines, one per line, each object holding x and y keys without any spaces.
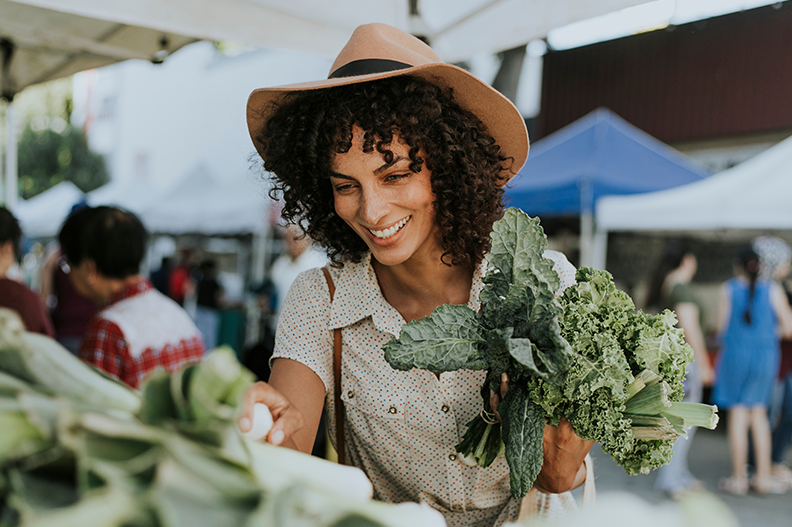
{"x":751,"y":312}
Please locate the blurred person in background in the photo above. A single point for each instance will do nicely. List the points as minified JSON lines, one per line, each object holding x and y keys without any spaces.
{"x":68,"y":309}
{"x":752,"y":311}
{"x":14,"y":295}
{"x":160,"y":278}
{"x":775,"y":260}
{"x":137,"y":330}
{"x":209,"y":298}
{"x":299,"y":255}
{"x":180,"y":282}
{"x":670,"y":289}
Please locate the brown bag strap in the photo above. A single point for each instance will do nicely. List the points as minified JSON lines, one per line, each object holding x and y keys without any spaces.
{"x":339,"y":404}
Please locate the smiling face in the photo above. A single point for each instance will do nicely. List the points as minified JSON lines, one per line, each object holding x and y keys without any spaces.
{"x":388,"y":205}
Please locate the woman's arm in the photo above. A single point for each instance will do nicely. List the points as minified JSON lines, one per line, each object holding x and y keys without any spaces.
{"x":724,"y":310}
{"x":295,"y":396}
{"x":688,"y":315}
{"x":782,"y":309}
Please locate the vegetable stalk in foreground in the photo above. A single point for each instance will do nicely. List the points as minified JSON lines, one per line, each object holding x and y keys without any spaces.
{"x":80,"y":449}
{"x":615,"y":373}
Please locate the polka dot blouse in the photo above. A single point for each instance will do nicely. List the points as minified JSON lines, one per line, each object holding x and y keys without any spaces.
{"x":401,"y":427}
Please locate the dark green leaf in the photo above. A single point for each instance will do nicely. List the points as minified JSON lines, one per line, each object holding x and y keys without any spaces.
{"x":449,"y":339}
{"x":523,"y":430}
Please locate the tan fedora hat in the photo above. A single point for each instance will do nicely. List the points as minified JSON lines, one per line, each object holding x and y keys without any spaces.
{"x":380,"y":51}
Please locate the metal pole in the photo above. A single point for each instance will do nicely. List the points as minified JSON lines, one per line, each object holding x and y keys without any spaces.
{"x":5,"y":127}
{"x":586,"y":223}
{"x":11,"y":188}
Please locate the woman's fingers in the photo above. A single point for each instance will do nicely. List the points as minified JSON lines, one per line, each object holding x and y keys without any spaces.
{"x":496,"y":398}
{"x":564,"y":452}
{"x":286,"y":418}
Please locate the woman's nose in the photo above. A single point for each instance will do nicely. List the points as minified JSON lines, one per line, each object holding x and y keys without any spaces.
{"x":373,"y":206}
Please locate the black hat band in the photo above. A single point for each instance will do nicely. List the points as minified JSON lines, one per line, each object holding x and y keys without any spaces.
{"x":367,"y":66}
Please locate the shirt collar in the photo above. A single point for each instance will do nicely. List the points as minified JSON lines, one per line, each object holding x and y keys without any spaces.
{"x":358,"y":296}
{"x":140,"y":285}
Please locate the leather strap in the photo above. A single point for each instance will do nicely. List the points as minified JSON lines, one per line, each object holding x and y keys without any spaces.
{"x":339,"y":404}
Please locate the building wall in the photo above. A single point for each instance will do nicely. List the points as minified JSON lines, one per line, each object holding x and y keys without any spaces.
{"x":724,"y":77}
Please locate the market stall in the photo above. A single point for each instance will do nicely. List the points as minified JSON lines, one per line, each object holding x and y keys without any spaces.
{"x":600,"y":154}
{"x":755,"y":194}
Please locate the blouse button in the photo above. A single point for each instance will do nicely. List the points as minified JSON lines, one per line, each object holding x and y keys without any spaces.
{"x":452,"y":457}
{"x":351,"y":394}
{"x":445,"y":408}
{"x":392,"y":410}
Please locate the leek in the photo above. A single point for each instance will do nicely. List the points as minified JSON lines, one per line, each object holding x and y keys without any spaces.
{"x":694,"y":414}
{"x":650,"y":401}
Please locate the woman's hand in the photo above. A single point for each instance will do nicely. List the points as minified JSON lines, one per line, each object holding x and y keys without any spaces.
{"x":564,"y":453}
{"x":495,"y":398}
{"x":287,"y":419}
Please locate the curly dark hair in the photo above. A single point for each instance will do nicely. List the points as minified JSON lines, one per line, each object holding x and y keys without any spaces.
{"x":307,"y":129}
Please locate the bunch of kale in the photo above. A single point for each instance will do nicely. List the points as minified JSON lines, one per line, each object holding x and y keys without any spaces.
{"x":613,"y":372}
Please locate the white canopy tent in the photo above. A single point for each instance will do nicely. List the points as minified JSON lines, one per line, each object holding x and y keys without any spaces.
{"x":457,"y":29}
{"x":201,"y":202}
{"x":43,"y":40}
{"x":756,"y":194}
{"x":41,"y":216}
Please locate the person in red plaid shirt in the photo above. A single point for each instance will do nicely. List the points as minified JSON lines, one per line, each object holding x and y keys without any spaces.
{"x":137,"y":330}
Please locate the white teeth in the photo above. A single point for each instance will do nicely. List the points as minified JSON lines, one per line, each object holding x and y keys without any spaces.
{"x":387,"y":233}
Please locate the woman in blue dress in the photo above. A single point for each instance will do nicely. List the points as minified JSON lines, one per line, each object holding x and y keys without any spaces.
{"x":753,"y":315}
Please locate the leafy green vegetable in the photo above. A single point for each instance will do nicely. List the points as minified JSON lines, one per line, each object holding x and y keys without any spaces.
{"x":523,"y":431}
{"x":169,"y":455}
{"x":517,"y":332}
{"x":614,"y":372}
{"x":448,"y":340}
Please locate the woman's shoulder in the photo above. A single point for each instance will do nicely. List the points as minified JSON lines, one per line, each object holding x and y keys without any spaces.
{"x":562,"y":266}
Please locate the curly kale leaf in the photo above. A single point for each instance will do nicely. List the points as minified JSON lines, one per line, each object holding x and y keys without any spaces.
{"x":613,"y":342}
{"x":451,"y":338}
{"x":662,"y":348}
{"x":522,"y":432}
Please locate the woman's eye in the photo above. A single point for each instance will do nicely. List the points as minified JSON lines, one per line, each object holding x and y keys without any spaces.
{"x":396,"y":177}
{"x":342,"y":188}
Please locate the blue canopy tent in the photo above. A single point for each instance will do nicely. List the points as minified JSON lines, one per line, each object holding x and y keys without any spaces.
{"x":600,"y":154}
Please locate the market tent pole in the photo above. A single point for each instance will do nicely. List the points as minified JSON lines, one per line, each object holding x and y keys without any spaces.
{"x":11,"y":187}
{"x":586,"y":223}
{"x":600,"y":250}
{"x":2,"y":172}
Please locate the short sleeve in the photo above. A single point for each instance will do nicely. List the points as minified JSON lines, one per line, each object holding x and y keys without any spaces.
{"x":304,"y":334}
{"x":566,"y":271}
{"x":681,"y":294}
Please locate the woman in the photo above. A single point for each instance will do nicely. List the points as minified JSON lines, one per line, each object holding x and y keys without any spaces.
{"x":670,"y":289}
{"x":751,"y":313}
{"x":395,"y":165}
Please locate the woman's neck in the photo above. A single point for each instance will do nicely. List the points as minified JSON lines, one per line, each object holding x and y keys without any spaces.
{"x":416,"y":288}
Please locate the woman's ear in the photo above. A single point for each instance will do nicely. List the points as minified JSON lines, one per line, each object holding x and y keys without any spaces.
{"x":92,"y":274}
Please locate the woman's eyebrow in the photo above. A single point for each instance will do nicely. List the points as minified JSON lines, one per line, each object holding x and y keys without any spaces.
{"x":392,"y":162}
{"x":384,"y":167}
{"x":341,"y":176}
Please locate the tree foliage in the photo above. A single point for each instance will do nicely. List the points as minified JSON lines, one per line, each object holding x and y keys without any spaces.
{"x":48,"y":157}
